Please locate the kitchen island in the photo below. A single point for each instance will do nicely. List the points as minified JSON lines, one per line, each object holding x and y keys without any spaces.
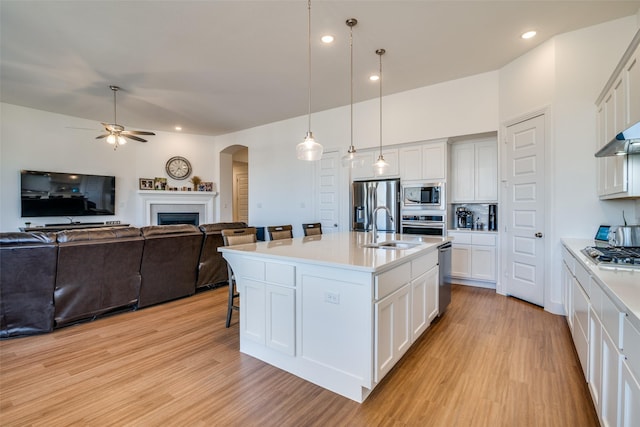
{"x":332,"y":310}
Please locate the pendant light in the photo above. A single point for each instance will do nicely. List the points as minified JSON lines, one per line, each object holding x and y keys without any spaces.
{"x":309,"y":149}
{"x":380,"y":166}
{"x":350,"y":160}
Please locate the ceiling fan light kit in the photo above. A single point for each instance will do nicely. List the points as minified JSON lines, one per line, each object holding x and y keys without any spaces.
{"x":116,"y":134}
{"x":309,"y":149}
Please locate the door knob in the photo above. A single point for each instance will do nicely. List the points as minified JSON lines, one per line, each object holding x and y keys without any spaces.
{"x":538,"y":234}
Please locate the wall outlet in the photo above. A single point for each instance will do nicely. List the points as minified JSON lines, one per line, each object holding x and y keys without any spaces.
{"x":332,"y":298}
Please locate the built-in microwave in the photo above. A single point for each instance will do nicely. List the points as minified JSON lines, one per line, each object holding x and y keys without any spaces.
{"x":429,"y":196}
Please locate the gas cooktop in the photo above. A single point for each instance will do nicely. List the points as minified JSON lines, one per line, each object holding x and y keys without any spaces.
{"x":614,"y":256}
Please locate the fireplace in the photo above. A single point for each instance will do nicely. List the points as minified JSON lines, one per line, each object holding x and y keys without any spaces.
{"x":198,"y":203}
{"x":167,"y":218}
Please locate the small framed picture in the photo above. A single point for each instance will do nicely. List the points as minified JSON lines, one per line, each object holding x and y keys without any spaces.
{"x":146,"y":183}
{"x":160,"y":183}
{"x":207,"y":186}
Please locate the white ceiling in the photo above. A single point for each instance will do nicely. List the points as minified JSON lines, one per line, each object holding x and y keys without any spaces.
{"x":219,"y":66}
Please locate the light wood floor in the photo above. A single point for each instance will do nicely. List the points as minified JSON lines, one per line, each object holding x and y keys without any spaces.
{"x":490,"y":361}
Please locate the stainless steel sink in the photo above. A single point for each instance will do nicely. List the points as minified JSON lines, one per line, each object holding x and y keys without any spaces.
{"x":391,"y":244}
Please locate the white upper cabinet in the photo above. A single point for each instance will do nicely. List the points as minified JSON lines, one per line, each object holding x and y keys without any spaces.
{"x":424,"y":162}
{"x":474,"y":171}
{"x":617,"y":109}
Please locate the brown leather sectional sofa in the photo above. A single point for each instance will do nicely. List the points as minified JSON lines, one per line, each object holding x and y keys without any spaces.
{"x":49,"y":280}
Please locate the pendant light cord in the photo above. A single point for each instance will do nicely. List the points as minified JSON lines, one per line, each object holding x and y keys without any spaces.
{"x":351,"y":83}
{"x":380,"y":52}
{"x":115,"y":116}
{"x":309,"y":59}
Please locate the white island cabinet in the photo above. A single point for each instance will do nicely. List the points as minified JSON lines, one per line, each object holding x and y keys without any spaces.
{"x":332,"y":311}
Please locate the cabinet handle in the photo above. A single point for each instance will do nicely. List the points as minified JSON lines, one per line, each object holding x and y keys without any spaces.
{"x":538,"y":234}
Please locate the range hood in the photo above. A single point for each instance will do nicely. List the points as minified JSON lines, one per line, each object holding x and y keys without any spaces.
{"x":627,"y":142}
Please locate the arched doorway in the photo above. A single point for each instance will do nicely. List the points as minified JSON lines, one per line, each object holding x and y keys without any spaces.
{"x":234,"y":183}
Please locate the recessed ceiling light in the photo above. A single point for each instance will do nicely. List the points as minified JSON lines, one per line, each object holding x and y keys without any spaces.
{"x":327,"y":39}
{"x":528,"y":34}
{"x":178,"y":128}
{"x":374,"y":78}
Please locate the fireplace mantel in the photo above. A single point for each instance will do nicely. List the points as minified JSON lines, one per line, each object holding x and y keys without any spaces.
{"x":203,"y":200}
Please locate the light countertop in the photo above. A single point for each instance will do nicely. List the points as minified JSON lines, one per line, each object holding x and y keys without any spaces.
{"x":341,"y":249}
{"x":622,"y":286}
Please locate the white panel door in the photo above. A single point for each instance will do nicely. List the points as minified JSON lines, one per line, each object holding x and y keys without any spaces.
{"x":524,"y":210}
{"x":329,"y":192}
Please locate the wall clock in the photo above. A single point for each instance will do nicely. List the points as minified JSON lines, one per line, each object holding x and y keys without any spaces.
{"x":178,"y":167}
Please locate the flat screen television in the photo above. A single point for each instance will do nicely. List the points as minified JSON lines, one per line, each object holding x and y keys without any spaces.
{"x":66,"y":194}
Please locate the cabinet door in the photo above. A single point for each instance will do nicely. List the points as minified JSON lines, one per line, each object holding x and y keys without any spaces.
{"x":411,"y":163}
{"x":595,"y":358}
{"x":424,"y":301}
{"x":364,"y":170}
{"x":610,"y":381}
{"x":566,"y":283}
{"x":629,"y":398}
{"x":632,"y":87}
{"x":280,"y":316}
{"x":434,"y":161}
{"x":392,"y":330}
{"x":252,"y":300}
{"x":600,"y":142}
{"x":461,"y":261}
{"x":463,"y":165}
{"x":483,"y":263}
{"x":486,"y":171}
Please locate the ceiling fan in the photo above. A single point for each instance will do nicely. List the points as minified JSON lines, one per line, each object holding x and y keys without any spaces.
{"x":115,"y":133}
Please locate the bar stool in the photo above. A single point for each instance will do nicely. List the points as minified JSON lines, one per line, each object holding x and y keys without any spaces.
{"x":231,"y":237}
{"x":312,"y":229}
{"x":278,"y":232}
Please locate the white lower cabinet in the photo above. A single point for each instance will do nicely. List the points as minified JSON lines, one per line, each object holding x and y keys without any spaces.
{"x":406,"y":301}
{"x":607,"y":344}
{"x":280,"y":319}
{"x":473,"y":255}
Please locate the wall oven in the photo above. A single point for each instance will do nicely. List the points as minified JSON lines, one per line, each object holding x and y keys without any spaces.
{"x":423,"y":196}
{"x":424,"y":223}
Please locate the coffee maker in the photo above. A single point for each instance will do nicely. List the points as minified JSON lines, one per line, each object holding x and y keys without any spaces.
{"x":464,"y":218}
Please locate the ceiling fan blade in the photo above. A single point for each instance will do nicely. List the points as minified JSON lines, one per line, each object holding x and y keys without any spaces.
{"x":103,"y":136}
{"x":135,"y":138}
{"x":137,"y":132}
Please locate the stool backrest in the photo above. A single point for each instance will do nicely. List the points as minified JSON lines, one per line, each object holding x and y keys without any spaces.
{"x":312,"y":229}
{"x":238,"y":236}
{"x":278,"y":232}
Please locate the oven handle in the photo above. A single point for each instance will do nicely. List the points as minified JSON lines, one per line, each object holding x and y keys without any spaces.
{"x":423,"y":225}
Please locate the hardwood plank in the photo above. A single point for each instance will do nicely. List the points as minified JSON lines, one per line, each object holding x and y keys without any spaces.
{"x":489,"y":361}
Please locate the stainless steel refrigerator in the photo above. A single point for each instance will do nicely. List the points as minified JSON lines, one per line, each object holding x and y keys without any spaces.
{"x":366,"y":196}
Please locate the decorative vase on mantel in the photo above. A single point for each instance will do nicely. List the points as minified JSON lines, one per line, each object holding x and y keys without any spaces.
{"x":195,"y":180}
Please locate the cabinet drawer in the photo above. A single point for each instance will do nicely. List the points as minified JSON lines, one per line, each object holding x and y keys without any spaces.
{"x":631,"y":344}
{"x":569,"y":260}
{"x":389,"y":281}
{"x":580,"y":306}
{"x":582,"y":347}
{"x":282,"y":274}
{"x":583,"y":278}
{"x":597,"y":294}
{"x":461,"y":238}
{"x":423,"y":264}
{"x":483,"y":239}
{"x":612,"y":320}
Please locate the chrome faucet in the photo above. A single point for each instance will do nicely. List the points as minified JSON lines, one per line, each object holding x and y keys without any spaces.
{"x":375,"y":228}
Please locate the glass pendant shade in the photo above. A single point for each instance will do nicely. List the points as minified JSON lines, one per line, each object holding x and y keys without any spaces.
{"x":381,"y":166}
{"x":309,"y":149}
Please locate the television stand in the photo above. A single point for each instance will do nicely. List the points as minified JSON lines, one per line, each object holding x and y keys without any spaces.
{"x":71,"y":226}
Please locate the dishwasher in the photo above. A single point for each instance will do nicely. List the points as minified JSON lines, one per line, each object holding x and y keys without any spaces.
{"x":444,"y":291}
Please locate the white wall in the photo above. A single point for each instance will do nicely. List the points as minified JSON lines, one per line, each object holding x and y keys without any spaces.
{"x":39,"y":140}
{"x":282,"y":188}
{"x":566,"y":75}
